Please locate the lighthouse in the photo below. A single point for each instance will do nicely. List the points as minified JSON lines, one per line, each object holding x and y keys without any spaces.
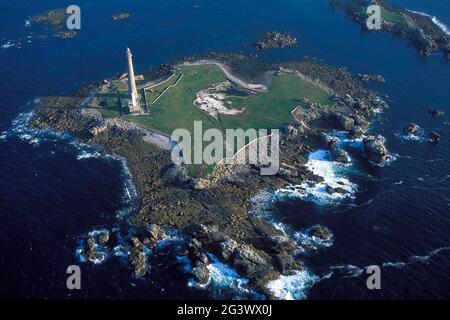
{"x":134,"y":102}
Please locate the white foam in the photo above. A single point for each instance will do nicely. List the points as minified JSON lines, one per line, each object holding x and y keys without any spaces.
{"x":7,"y":45}
{"x":225,"y":277}
{"x":87,"y":155}
{"x":345,"y":141}
{"x":319,"y":162}
{"x":420,"y":136}
{"x":397,"y":265}
{"x":347,"y":270}
{"x":312,"y":242}
{"x":293,"y":287}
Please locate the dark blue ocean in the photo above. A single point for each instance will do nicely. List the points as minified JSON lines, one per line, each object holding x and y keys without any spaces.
{"x":52,"y":190}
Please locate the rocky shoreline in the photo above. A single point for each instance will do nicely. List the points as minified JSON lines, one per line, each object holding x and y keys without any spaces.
{"x":214,"y":215}
{"x":418,"y":29}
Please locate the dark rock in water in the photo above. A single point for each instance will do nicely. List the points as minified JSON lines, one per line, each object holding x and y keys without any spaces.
{"x":103,"y":238}
{"x":329,"y":141}
{"x":329,"y":189}
{"x":286,"y":264}
{"x":201,"y":273}
{"x":275,"y":40}
{"x":340,"y":190}
{"x":89,"y":249}
{"x":320,"y":232}
{"x":411,"y":128}
{"x":138,"y":260}
{"x":436,"y":113}
{"x":375,"y":150}
{"x":434,"y":137}
{"x":339,"y":155}
{"x":121,"y":16}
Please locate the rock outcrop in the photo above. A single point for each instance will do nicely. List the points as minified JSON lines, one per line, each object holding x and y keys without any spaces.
{"x":375,"y":150}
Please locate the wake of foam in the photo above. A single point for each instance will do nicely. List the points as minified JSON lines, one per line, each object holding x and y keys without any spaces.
{"x":351,"y":271}
{"x":293,"y":287}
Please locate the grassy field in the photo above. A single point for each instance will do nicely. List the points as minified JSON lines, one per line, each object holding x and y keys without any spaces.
{"x":264,"y":110}
{"x":391,"y":16}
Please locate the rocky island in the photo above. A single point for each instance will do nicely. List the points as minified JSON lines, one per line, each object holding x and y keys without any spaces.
{"x":275,"y":40}
{"x":215,"y":213}
{"x":419,"y":29}
{"x":56,"y":20}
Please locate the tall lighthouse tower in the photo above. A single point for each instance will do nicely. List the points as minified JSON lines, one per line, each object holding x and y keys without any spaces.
{"x":134,"y":103}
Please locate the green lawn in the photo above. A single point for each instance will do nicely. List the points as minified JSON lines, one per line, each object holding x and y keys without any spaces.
{"x":265,"y":110}
{"x":391,"y":16}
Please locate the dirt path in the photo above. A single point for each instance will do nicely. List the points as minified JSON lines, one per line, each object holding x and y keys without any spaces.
{"x":229,"y":75}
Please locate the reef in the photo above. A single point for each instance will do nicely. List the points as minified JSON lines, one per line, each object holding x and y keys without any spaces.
{"x":121,"y":16}
{"x":275,"y":40}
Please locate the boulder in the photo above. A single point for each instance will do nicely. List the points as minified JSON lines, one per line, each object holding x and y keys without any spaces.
{"x":329,"y":189}
{"x":103,"y":238}
{"x":89,"y":249}
{"x":138,"y":261}
{"x":375,"y":150}
{"x":329,"y":141}
{"x":434,"y":137}
{"x":340,"y":190}
{"x":339,"y":155}
{"x":320,"y":232}
{"x":436,"y":113}
{"x":200,"y":273}
{"x":411,"y":128}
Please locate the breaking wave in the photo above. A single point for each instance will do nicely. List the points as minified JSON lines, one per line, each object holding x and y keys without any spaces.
{"x":332,"y":174}
{"x":293,"y":287}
